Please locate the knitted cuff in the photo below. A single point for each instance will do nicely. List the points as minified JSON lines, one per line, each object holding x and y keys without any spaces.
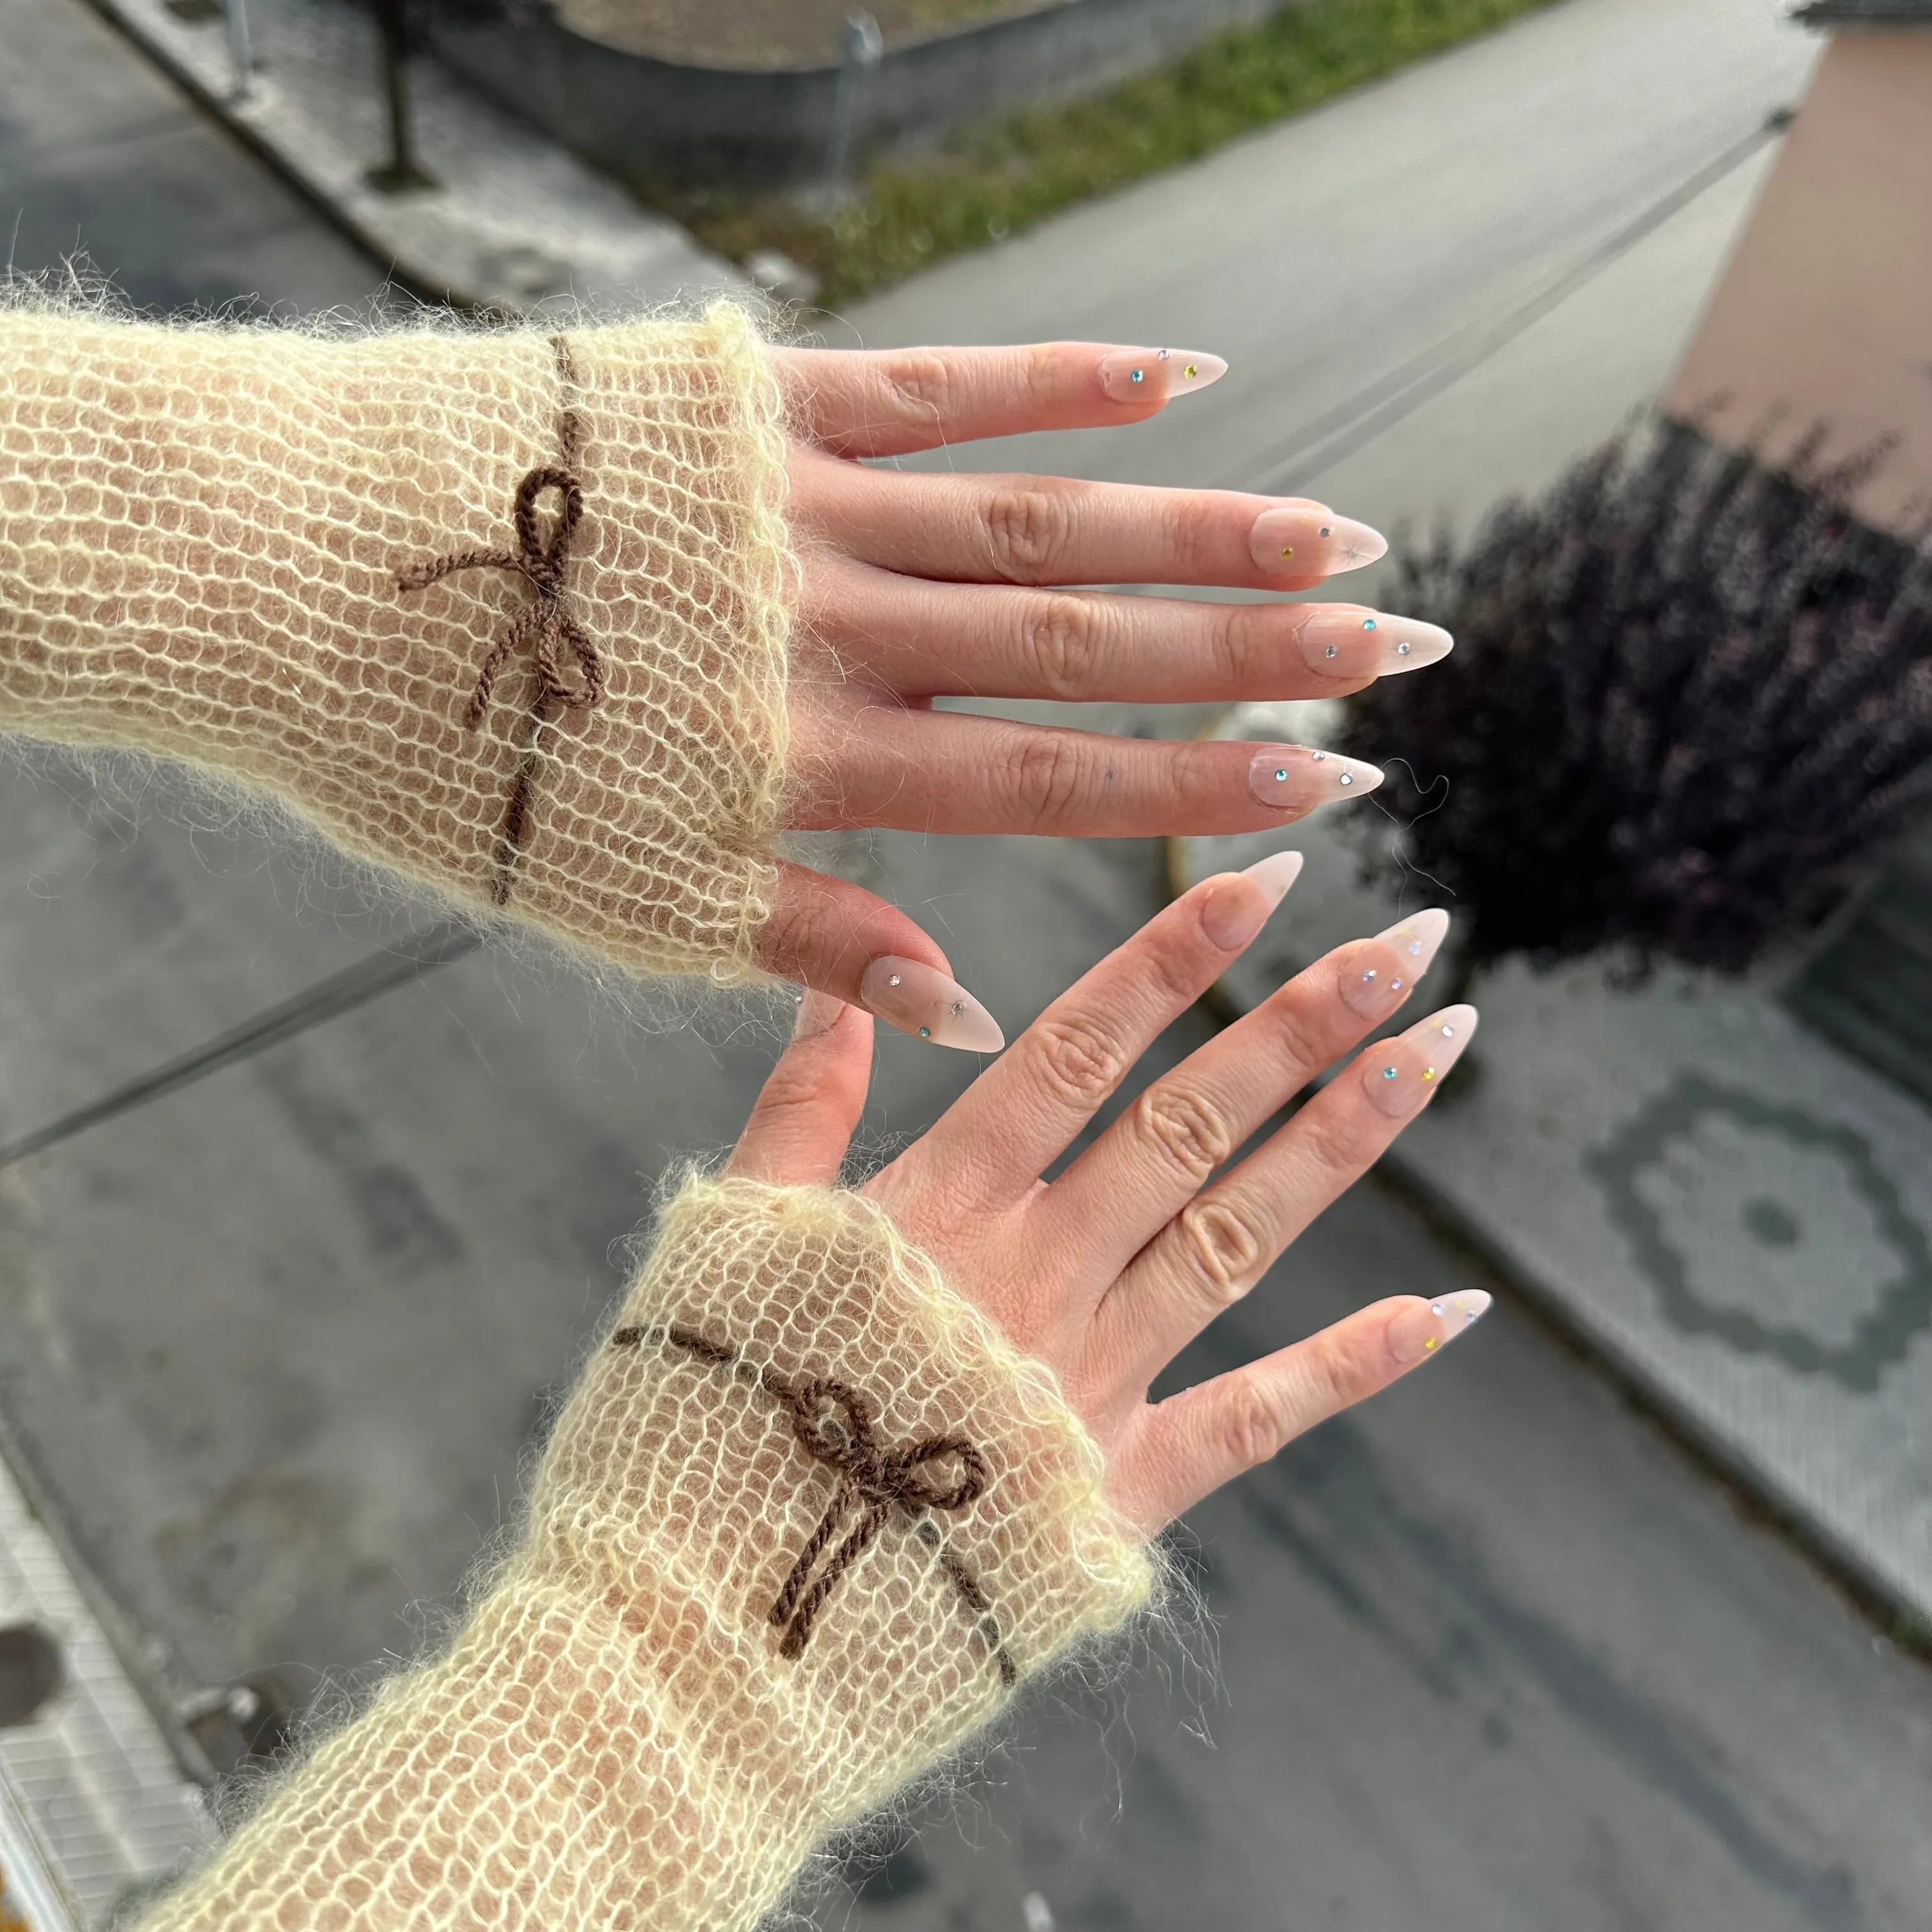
{"x":804,"y":1523}
{"x":504,"y":611}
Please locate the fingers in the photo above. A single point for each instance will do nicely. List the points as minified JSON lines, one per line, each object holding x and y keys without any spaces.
{"x":1185,"y":1447}
{"x":1055,"y":530}
{"x":838,"y":938}
{"x":1211,"y":1253}
{"x":1019,"y":1117}
{"x":910,"y":769}
{"x":810,"y":1105}
{"x":1146,"y":1167}
{"x":922,"y":639}
{"x":857,"y":403}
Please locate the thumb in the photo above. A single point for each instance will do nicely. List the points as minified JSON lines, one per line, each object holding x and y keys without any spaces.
{"x":831,"y":934}
{"x":812,"y":1100}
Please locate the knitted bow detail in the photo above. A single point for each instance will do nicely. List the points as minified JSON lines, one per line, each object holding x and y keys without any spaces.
{"x":544,"y":627}
{"x":835,"y":1422}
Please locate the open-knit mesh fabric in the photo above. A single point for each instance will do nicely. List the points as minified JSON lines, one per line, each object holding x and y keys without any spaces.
{"x":615,"y":1740}
{"x":201,"y":529}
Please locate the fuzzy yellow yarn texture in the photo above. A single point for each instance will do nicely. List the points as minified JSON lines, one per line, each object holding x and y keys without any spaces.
{"x":220,"y":545}
{"x":625,"y":1734}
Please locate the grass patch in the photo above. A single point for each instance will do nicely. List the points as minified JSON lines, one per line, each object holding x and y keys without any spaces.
{"x":1000,"y":180}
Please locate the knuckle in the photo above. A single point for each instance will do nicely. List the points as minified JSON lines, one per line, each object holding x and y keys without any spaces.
{"x":1185,"y":1130}
{"x":1297,"y":1039}
{"x":1258,"y":1421}
{"x":793,"y":932}
{"x":1244,"y":643}
{"x":1224,"y":1250}
{"x":1027,"y":532}
{"x":1080,"y":1062}
{"x":1061,"y":637}
{"x":1329,"y":1147}
{"x":921,"y":387}
{"x":1046,"y":778}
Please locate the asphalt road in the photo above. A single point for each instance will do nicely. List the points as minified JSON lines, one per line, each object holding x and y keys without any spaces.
{"x":1491,"y":1654}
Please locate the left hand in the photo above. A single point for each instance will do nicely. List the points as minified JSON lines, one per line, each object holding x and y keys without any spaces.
{"x":918,"y":586}
{"x":1106,"y":1273}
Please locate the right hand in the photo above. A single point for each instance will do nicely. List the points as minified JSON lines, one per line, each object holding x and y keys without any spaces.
{"x":917,"y":585}
{"x":1106,"y":1273}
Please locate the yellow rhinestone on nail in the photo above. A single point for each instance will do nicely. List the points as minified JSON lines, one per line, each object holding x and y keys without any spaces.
{"x":1434,"y":1342}
{"x":1288,"y":550}
{"x":1429,"y":1073}
{"x":1192,"y":370}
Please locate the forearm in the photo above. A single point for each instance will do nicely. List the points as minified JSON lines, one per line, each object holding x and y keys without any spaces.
{"x":213,"y":543}
{"x":642,"y":1726}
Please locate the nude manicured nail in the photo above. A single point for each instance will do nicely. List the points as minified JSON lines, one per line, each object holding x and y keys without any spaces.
{"x":1373,"y":985}
{"x":1289,"y":777}
{"x":1275,"y":874}
{"x":817,"y":1013}
{"x":1312,"y":543}
{"x":1136,"y":375}
{"x":1347,"y":641}
{"x":921,"y":1000}
{"x":1230,"y":916}
{"x":1418,"y":938}
{"x":1399,"y":1075}
{"x":1414,"y":1333}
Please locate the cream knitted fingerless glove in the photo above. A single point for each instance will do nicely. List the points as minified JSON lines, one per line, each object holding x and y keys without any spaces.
{"x":505,"y":611}
{"x":803,"y":1525}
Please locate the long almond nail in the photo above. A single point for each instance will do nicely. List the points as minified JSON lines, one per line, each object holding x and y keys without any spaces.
{"x":1312,"y":543}
{"x":1231,"y":915}
{"x":1145,"y":375}
{"x":921,"y":1000}
{"x":1289,"y":777}
{"x":1380,"y":973}
{"x":1399,"y":1075}
{"x":1346,"y":641}
{"x":1421,"y":1330}
{"x":1418,"y":938}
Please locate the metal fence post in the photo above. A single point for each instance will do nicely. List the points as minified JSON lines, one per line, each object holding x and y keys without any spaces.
{"x":861,"y":46}
{"x":241,"y":55}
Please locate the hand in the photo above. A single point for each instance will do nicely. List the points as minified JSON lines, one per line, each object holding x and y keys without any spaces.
{"x":918,"y":586}
{"x":1107,"y":1272}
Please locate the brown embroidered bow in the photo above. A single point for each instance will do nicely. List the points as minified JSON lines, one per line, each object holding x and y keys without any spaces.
{"x":837,"y":1424}
{"x":544,"y":626}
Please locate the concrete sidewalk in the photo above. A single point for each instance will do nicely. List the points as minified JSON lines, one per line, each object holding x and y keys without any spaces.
{"x":508,"y":219}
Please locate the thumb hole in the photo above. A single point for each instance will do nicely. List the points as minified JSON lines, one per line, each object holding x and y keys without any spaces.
{"x":808,"y":1109}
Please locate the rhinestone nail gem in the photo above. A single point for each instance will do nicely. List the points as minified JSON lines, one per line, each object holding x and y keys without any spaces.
{"x":1281,"y":775}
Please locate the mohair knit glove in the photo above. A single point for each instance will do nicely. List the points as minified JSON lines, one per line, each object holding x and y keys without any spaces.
{"x":804,"y":1523}
{"x":506,"y":611}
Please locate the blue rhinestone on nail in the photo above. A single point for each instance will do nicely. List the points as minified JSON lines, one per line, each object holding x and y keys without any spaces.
{"x":1368,"y":623}
{"x":1388,"y":1072}
{"x":1281,"y":775}
{"x":1138,"y":375}
{"x":926,"y":1032}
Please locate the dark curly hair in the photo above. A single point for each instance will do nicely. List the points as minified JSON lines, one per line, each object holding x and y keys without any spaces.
{"x":1687,"y":694}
